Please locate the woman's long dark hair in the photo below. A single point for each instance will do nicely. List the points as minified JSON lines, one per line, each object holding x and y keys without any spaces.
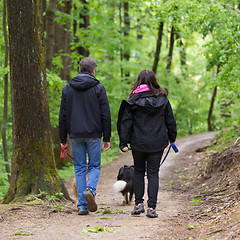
{"x":148,"y":77}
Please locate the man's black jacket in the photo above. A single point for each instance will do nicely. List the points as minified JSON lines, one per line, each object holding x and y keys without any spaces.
{"x":146,"y":122}
{"x":84,"y":111}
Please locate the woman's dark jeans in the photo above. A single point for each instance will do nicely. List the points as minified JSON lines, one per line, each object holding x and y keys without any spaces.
{"x":149,"y":161}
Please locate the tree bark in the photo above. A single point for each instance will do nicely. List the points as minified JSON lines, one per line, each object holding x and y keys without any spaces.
{"x":50,"y":14}
{"x":139,"y":29}
{"x":158,"y":47}
{"x":210,"y":112}
{"x":126,"y":52}
{"x":111,"y":12}
{"x":182,"y":53}
{"x":33,"y":164}
{"x":170,"y":53}
{"x":5,"y":107}
{"x":83,"y":24}
{"x":121,"y":28}
{"x":62,"y":40}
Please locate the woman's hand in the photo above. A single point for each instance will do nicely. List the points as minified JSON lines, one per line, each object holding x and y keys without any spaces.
{"x":125,"y":149}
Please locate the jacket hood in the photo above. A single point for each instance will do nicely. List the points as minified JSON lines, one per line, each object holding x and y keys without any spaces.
{"x":83,"y":81}
{"x":148,"y":103}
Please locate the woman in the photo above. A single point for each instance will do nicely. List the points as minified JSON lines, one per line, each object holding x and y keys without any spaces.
{"x":146,"y":121}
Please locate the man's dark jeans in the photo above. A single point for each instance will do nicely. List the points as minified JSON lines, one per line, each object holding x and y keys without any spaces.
{"x":146,"y":162}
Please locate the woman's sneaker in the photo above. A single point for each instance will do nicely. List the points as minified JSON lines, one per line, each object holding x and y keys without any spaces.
{"x":138,"y":209}
{"x":151,"y":213}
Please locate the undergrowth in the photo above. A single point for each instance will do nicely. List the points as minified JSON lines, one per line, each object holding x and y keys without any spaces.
{"x":225,"y":138}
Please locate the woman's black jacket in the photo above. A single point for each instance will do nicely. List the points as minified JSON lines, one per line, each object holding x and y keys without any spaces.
{"x":146,"y":122}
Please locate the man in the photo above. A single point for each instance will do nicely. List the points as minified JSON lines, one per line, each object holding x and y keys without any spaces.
{"x":85,"y":116}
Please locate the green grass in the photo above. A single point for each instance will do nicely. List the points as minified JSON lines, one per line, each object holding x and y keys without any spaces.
{"x":97,"y":229}
{"x":225,"y":138}
{"x":22,"y":234}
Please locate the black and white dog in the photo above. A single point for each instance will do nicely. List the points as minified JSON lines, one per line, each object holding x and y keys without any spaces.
{"x":125,"y":183}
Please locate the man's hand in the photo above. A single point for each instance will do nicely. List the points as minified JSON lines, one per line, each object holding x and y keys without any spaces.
{"x":63,"y":145}
{"x":125,"y":149}
{"x":63,"y":151}
{"x":106,"y":146}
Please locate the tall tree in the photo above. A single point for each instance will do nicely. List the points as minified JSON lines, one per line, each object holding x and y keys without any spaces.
{"x":5,"y":111}
{"x":126,"y":51}
{"x":170,"y":52}
{"x":214,"y":94}
{"x":33,"y":165}
{"x":84,"y":24}
{"x":183,"y":57}
{"x":50,"y":14}
{"x":121,"y":28}
{"x":62,"y":37}
{"x":158,"y":47}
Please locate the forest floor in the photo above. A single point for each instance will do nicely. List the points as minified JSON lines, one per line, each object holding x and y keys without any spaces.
{"x":190,"y":206}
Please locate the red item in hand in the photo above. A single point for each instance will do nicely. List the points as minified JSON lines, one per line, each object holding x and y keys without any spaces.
{"x":64,"y":152}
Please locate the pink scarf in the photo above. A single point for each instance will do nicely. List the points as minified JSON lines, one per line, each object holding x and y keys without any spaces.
{"x":141,"y":88}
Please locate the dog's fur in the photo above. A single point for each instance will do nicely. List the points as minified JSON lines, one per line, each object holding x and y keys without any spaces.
{"x":125,"y":183}
{"x":75,"y":189}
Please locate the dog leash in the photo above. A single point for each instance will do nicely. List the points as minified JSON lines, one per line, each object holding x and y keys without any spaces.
{"x":175,"y":149}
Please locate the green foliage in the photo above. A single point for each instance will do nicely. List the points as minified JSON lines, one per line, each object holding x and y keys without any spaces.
{"x":4,"y":184}
{"x":226,"y":138}
{"x":108,"y":211}
{"x":59,"y":207}
{"x":97,"y":229}
{"x":55,"y":197}
{"x":21,"y":234}
{"x":55,"y":85}
{"x":67,"y":171}
{"x":190,"y":226}
{"x":195,"y":201}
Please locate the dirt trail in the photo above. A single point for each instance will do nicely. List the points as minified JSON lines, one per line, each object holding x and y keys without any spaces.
{"x":40,"y":222}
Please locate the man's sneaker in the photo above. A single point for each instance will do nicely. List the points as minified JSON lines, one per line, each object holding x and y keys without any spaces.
{"x":83,"y":212}
{"x":151,"y":213}
{"x":91,"y":204}
{"x":138,"y":209}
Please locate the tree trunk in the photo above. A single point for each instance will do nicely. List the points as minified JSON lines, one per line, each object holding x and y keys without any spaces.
{"x":126,"y":52}
{"x":158,"y":47}
{"x":121,"y":50}
{"x":210,"y":127}
{"x":111,"y":12}
{"x":33,"y":164}
{"x":62,"y":40}
{"x":182,"y":57}
{"x":139,"y":27}
{"x":5,"y":107}
{"x":50,"y":14}
{"x":170,"y":53}
{"x":210,"y":112}
{"x":84,"y":23}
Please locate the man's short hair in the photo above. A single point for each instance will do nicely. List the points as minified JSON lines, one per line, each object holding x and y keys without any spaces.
{"x":87,"y":64}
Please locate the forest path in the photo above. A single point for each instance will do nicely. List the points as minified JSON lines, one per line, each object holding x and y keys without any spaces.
{"x":41,"y":223}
